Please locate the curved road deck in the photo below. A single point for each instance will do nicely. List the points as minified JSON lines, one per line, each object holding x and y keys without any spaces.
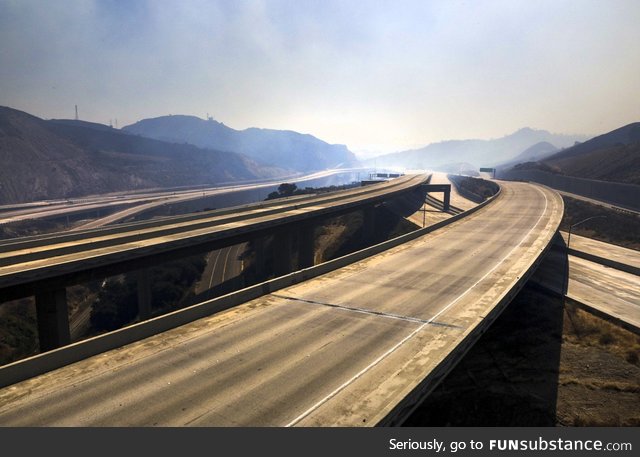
{"x":342,"y":349}
{"x":58,"y":254}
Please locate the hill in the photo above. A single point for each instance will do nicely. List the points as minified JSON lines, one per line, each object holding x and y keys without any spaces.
{"x":279,"y":148}
{"x":57,"y":159}
{"x":534,"y":153}
{"x":480,"y":153}
{"x":613,"y":156}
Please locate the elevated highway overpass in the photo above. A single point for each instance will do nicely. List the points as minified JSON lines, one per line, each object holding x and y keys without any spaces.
{"x":131,"y":203}
{"x":356,"y":346}
{"x":44,"y":265}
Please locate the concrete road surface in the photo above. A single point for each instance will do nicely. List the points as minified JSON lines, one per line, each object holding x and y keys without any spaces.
{"x":456,"y":198}
{"x":143,"y":200}
{"x":341,"y":349}
{"x":605,"y":250}
{"x":613,"y":292}
{"x":222,"y":265}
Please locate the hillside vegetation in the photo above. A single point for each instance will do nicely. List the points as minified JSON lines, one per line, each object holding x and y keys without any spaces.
{"x":619,"y":163}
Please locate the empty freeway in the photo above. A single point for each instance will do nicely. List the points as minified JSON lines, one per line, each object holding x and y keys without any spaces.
{"x":138,"y":201}
{"x":27,"y":260}
{"x":45,"y":265}
{"x":357,"y":346}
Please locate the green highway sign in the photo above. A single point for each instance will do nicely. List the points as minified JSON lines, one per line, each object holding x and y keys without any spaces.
{"x":487,"y":170}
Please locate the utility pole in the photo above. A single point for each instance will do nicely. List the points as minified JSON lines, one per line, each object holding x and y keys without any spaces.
{"x":76,"y":112}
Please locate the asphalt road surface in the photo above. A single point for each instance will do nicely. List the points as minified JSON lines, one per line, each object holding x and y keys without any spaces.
{"x":341,"y":349}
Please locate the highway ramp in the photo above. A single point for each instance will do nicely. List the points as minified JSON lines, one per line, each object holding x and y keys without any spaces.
{"x":610,"y":292}
{"x":350,"y":348}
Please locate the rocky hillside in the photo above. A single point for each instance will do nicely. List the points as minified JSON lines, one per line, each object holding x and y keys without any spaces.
{"x":613,"y":156}
{"x":56,"y":159}
{"x":279,"y":148}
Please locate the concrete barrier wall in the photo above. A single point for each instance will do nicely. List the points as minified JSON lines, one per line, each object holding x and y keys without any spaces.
{"x":455,"y":179}
{"x":588,"y":308}
{"x":606,"y":262}
{"x":625,"y":195}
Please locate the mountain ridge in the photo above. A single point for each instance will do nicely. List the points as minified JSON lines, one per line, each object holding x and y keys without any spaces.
{"x":280,"y":148}
{"x":613,"y":156}
{"x":44,"y":159}
{"x":479,"y":152}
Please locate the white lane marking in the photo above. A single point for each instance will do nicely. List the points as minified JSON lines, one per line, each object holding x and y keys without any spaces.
{"x":213,"y":270}
{"x":224,"y":266}
{"x":412,"y":334}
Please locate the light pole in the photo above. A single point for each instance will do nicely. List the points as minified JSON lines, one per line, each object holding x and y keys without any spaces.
{"x":578,"y":223}
{"x":565,"y":285}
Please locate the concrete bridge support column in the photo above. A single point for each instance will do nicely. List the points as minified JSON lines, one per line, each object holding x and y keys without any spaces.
{"x":282,"y":252}
{"x":260,"y":258}
{"x":144,"y":294}
{"x":53,"y":319}
{"x":368,"y":224}
{"x":447,"y":200}
{"x":306,"y":246}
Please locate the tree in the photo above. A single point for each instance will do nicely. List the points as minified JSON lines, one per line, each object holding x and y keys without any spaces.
{"x":286,"y":189}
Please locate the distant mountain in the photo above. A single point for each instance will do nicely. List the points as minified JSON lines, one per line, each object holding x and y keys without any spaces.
{"x":614,"y":156}
{"x":55,"y":159}
{"x":479,"y":153}
{"x":533,"y":153}
{"x":459,"y":168}
{"x":279,"y":148}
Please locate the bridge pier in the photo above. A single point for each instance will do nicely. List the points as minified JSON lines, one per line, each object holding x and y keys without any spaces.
{"x":53,"y":319}
{"x":144,"y":294}
{"x":282,"y":252}
{"x":368,"y":224}
{"x":306,"y":246}
{"x":260,"y":258}
{"x":445,"y":189}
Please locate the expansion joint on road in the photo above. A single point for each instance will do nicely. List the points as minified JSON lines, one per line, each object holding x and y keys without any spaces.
{"x":367,"y":311}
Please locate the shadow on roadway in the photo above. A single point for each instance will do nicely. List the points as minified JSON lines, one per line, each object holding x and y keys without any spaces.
{"x":510,"y":377}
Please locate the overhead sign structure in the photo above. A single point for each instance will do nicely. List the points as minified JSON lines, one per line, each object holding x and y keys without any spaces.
{"x":488,"y":170}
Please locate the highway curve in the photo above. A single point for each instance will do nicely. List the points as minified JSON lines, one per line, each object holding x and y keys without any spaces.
{"x":342,"y":349}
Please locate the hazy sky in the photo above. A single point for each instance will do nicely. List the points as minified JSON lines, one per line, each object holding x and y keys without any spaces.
{"x":375,"y":75}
